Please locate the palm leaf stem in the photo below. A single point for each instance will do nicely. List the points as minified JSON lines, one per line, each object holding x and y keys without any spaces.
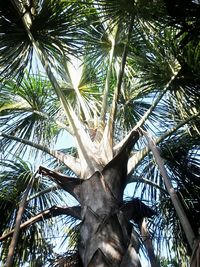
{"x":77,"y":92}
{"x":175,"y":200}
{"x":107,"y":140}
{"x":47,"y":214}
{"x":9,"y":261}
{"x":84,"y":108}
{"x":136,"y":158}
{"x":70,"y":161}
{"x":174,"y":129}
{"x":149,"y":111}
{"x":132,"y":179}
{"x":43,"y":192}
{"x":155,"y":103}
{"x":84,"y":144}
{"x":108,"y":76}
{"x":113,"y":111}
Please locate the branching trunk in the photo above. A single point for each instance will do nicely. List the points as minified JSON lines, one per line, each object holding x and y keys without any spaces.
{"x":105,"y":230}
{"x":106,"y":234}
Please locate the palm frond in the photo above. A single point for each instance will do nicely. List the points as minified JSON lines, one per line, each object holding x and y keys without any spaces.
{"x":15,"y":47}
{"x":14,"y":178}
{"x":52,"y":27}
{"x":180,"y":154}
{"x":51,"y":22}
{"x":22,"y":108}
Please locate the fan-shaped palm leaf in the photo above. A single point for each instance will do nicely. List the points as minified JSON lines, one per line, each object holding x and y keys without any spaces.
{"x":182,"y":165}
{"x":50,"y":21}
{"x":14,"y":179}
{"x":27,"y":110}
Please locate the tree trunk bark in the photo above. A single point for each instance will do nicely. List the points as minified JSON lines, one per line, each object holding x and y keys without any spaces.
{"x":106,"y":236}
{"x":105,"y":232}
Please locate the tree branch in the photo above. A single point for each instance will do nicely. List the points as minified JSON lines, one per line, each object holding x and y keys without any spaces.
{"x":106,"y":88}
{"x":45,"y":191}
{"x":16,"y":230}
{"x":85,"y":146}
{"x":47,"y":214}
{"x":109,"y":129}
{"x":107,"y":140}
{"x":132,"y":179}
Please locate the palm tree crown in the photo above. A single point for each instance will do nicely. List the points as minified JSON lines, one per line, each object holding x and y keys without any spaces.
{"x":109,"y":74}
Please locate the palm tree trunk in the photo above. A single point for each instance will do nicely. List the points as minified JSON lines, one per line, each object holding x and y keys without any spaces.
{"x":13,"y":244}
{"x":105,"y":231}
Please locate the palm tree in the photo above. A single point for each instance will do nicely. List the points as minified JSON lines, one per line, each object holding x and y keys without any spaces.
{"x":139,"y":68}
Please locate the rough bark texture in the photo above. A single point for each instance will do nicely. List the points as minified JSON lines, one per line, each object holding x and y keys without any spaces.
{"x":106,"y":234}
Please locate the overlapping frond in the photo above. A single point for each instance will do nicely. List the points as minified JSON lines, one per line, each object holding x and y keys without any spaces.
{"x":29,"y":110}
{"x":51,"y":26}
{"x":180,"y":153}
{"x":138,"y":58}
{"x":14,"y":179}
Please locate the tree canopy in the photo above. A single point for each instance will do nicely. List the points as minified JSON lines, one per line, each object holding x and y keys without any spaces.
{"x":103,"y":73}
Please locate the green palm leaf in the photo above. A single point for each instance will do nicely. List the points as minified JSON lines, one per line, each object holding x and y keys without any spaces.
{"x":28,"y":109}
{"x":51,"y":22}
{"x":13,"y":180}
